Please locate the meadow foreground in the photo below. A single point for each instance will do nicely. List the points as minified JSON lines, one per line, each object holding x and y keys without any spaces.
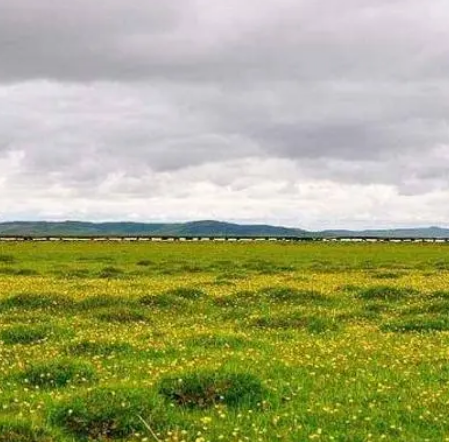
{"x":233,"y":342}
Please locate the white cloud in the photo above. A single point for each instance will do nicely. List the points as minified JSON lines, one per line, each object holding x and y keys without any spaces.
{"x":306,"y":113}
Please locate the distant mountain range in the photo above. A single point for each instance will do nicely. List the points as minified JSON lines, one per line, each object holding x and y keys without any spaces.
{"x":199,"y":228}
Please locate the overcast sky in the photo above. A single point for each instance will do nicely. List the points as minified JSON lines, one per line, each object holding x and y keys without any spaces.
{"x":308,"y":113}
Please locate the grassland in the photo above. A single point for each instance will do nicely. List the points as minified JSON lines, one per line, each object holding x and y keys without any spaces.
{"x":224,"y":342}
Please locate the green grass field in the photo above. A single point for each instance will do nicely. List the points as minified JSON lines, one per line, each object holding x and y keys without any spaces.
{"x":224,"y":342}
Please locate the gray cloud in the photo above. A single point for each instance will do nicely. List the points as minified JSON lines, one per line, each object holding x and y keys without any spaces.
{"x":172,"y":99}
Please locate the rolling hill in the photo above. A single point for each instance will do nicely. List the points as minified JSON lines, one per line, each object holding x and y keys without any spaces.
{"x":199,"y":228}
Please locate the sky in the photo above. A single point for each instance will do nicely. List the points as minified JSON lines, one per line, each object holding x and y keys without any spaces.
{"x":308,"y":113}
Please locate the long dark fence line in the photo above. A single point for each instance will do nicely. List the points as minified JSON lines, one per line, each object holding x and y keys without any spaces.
{"x":169,"y":238}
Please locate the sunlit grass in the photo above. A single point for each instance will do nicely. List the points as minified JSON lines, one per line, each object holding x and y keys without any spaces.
{"x":223,"y":342}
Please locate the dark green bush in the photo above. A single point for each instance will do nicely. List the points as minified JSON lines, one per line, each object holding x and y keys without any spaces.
{"x":106,"y":413}
{"x":204,"y":389}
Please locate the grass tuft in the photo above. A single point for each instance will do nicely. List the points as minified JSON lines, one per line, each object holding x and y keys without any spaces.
{"x":100,"y":301}
{"x":110,"y":272}
{"x":162,"y":300}
{"x":297,"y":320}
{"x":13,"y":430}
{"x":145,"y":263}
{"x":216,"y":341}
{"x":23,"y":334}
{"x":417,"y":325}
{"x":386,"y":293}
{"x":107,"y":413}
{"x":289,"y":294}
{"x":122,"y":315}
{"x":7,"y":259}
{"x":30,"y":301}
{"x":386,"y":275}
{"x":98,"y":348}
{"x":204,"y":389}
{"x":58,"y":373}
{"x":188,"y":293}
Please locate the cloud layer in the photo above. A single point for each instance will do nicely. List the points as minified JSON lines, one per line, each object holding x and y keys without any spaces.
{"x":307,"y":113}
